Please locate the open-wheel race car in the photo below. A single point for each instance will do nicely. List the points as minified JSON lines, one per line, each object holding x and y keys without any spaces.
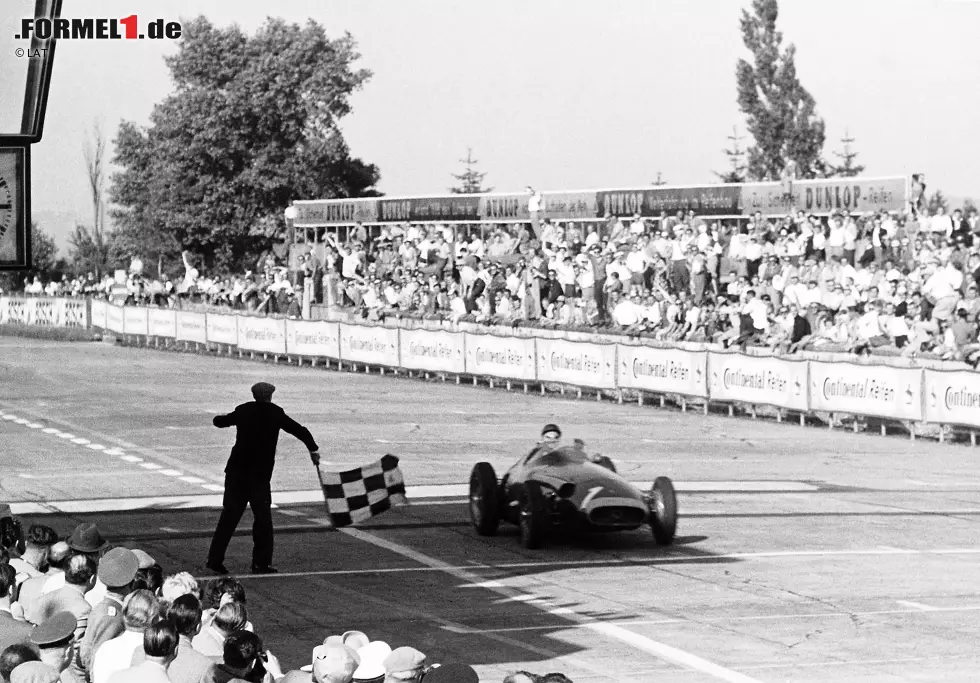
{"x":561,"y":488}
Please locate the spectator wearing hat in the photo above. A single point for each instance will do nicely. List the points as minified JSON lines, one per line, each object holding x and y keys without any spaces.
{"x":139,"y":610}
{"x":12,"y":631}
{"x":334,"y":664}
{"x":32,"y":589}
{"x":248,"y":474}
{"x":14,"y":655}
{"x":117,"y":571}
{"x":160,"y":646}
{"x":87,"y":540}
{"x":404,"y":665}
{"x":79,"y":580}
{"x":55,"y":640}
{"x":189,"y":665}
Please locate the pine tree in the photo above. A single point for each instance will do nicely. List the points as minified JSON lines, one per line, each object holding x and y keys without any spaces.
{"x":736,"y":157}
{"x":847,"y":169}
{"x":937,"y":199}
{"x":471,"y":180}
{"x":780,"y":114}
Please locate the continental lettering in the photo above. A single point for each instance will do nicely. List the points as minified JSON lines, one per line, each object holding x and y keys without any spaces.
{"x":861,"y":390}
{"x":582,"y":363}
{"x":667,"y":369}
{"x":962,"y":398}
{"x":765,"y":380}
{"x":505,"y":357}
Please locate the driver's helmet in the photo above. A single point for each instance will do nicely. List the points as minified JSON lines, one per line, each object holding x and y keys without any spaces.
{"x":551,"y":433}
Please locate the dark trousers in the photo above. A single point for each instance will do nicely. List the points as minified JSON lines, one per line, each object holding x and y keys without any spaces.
{"x":241,"y":490}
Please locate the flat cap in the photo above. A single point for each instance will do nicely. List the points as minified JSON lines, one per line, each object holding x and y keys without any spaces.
{"x":452,"y":673}
{"x":144,"y":559}
{"x":55,"y":631}
{"x":35,"y":672}
{"x":118,"y":567}
{"x":262,"y":390}
{"x":403,"y":660}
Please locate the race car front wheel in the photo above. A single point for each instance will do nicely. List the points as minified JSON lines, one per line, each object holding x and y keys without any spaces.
{"x":663,"y":511}
{"x":484,"y":507}
{"x":534,"y":516}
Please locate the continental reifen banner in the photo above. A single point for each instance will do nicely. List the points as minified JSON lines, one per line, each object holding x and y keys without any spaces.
{"x":877,"y":390}
{"x":313,"y":338}
{"x":435,"y":350}
{"x":759,"y":380}
{"x":581,"y":363}
{"x":504,"y":357}
{"x":671,"y":371}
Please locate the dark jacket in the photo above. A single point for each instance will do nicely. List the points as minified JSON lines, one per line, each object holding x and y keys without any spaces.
{"x":258,"y":426}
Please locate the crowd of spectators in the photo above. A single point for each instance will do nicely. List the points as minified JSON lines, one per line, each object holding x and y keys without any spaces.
{"x":81,"y":611}
{"x":888,"y":282}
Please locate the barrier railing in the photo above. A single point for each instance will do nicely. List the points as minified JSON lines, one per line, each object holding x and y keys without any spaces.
{"x":803,"y":386}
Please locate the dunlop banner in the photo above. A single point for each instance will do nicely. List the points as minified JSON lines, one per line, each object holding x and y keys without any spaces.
{"x":162,"y":323}
{"x":581,"y":363}
{"x":504,"y":357}
{"x":857,"y":195}
{"x":704,"y":200}
{"x":309,"y":338}
{"x":369,"y":344}
{"x":759,"y":380}
{"x":136,"y":321}
{"x":668,"y":371}
{"x":192,"y":327}
{"x":267,"y":335}
{"x":435,"y":350}
{"x":866,"y":390}
{"x":459,"y":207}
{"x":952,"y":397}
{"x":335,"y":212}
{"x":222,"y":329}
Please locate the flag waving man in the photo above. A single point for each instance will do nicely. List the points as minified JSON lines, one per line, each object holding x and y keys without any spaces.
{"x":248,"y":475}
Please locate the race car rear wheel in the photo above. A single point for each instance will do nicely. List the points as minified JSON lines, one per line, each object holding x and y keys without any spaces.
{"x":533,"y":516}
{"x":663,"y":511}
{"x":484,"y":501}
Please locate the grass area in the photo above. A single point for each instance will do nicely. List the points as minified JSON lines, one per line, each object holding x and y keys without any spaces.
{"x":69,"y":334}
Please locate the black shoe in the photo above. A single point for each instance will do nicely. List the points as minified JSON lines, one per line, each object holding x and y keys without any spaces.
{"x":256,"y":569}
{"x":216,"y":567}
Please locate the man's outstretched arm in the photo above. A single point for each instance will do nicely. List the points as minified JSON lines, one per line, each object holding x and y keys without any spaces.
{"x":291,"y":426}
{"x":222,"y":421}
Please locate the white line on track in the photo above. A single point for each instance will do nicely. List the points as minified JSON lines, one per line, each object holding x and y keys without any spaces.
{"x":916,"y":605}
{"x":129,"y":458}
{"x":95,"y":446}
{"x":640,"y":642}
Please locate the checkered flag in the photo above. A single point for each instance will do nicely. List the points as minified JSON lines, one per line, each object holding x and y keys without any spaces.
{"x":360,"y":494}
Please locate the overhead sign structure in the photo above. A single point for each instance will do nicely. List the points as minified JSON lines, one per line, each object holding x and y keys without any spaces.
{"x":25,"y":77}
{"x":818,"y":196}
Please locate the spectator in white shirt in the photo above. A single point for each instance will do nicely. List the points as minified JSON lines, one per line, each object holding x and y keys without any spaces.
{"x":941,"y":224}
{"x":116,"y":654}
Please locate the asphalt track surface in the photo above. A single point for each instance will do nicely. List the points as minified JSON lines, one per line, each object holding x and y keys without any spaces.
{"x":803,"y":554}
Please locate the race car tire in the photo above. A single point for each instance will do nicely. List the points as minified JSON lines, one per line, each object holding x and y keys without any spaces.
{"x":663,"y":511}
{"x":534,"y":519}
{"x":484,"y":499}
